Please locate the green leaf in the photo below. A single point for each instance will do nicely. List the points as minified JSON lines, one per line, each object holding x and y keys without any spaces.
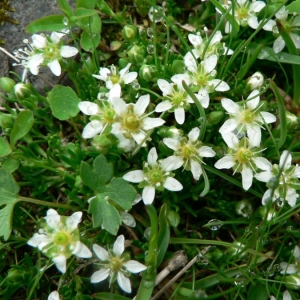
{"x":109,"y":296}
{"x":163,"y":238}
{"x":85,"y":3}
{"x":103,"y":169}
{"x":63,"y":102}
{"x":89,"y":42}
{"x":8,"y":183}
{"x":120,"y":192}
{"x":294,"y":7}
{"x":65,"y":7}
{"x":22,"y":126}
{"x":4,"y":147}
{"x":9,"y":200}
{"x":258,"y":291}
{"x":49,"y":23}
{"x":88,"y":176}
{"x":104,"y":214}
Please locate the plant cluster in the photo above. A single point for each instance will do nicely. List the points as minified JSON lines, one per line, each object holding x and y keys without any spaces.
{"x":173,"y":143}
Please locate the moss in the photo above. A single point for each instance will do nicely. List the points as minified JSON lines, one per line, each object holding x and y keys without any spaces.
{"x":4,"y":17}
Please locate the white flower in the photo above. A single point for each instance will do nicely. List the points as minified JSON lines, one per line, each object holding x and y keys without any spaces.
{"x":202,"y":78}
{"x":177,"y":100}
{"x":114,"y":265}
{"x":59,"y":238}
{"x":53,"y":296}
{"x":255,"y":81}
{"x":114,"y":78}
{"x":246,"y":117}
{"x":155,"y":175}
{"x":189,"y":153}
{"x":245,"y":13}
{"x":200,"y":44}
{"x":287,"y":180}
{"x":103,"y":115}
{"x":286,"y":296}
{"x":45,"y":50}
{"x":242,"y":158}
{"x":132,"y":121}
{"x":292,"y":268}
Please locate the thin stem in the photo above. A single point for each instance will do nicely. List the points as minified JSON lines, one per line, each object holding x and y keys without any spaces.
{"x":46,"y":203}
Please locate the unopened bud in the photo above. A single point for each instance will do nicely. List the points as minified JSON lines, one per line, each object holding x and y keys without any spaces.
{"x":101,"y":142}
{"x":291,"y":120}
{"x":255,"y":81}
{"x":137,"y":54}
{"x":173,"y":218}
{"x":147,"y":73}
{"x":7,"y":84}
{"x":22,"y":91}
{"x":215,"y":117}
{"x":129,"y":32}
{"x":115,"y":45}
{"x":292,"y":281}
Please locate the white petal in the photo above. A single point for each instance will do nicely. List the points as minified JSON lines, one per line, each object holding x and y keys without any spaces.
{"x":220,"y":85}
{"x":247,"y":177}
{"x":55,"y":67}
{"x":119,"y":247}
{"x":203,"y":97}
{"x":34,"y":63}
{"x":149,"y":123}
{"x":288,"y":268}
{"x":296,"y":252}
{"x":285,"y":160}
{"x":230,"y":106}
{"x":139,"y":137}
{"x":254,"y":100}
{"x":81,"y":250}
{"x":117,"y":129}
{"x":39,"y":41}
{"x":278,"y":44}
{"x":268,"y":117}
{"x":196,"y":169}
{"x":195,"y":39}
{"x":115,"y":91}
{"x":210,"y":63}
{"x":262,"y":163}
{"x":190,"y":62}
{"x":52,"y":218}
{"x":228,"y":27}
{"x":89,"y":108}
{"x":119,"y":105}
{"x":178,"y":78}
{"x":257,"y":6}
{"x":296,"y":39}
{"x":172,"y":163}
{"x":269,"y":25}
{"x":172,"y":184}
{"x":134,"y":266}
{"x":152,"y":157}
{"x":225,"y":162}
{"x":165,"y":87}
{"x":61,"y":263}
{"x":266,"y":197}
{"x":252,"y":21}
{"x":179,"y":115}
{"x":148,"y":194}
{"x":231,"y":140}
{"x":127,"y":219}
{"x":141,"y":105}
{"x":68,"y":51}
{"x":163,"y":106}
{"x":206,"y":151}
{"x":216,"y":38}
{"x":73,"y":221}
{"x":53,"y":296}
{"x":134,"y":176}
{"x":172,"y":143}
{"x":287,"y":296}
{"x":291,"y":196}
{"x":264,"y":176}
{"x":40,"y":241}
{"x":124,"y":282}
{"x":101,"y":253}
{"x":100,"y":275}
{"x":56,"y":36}
{"x":92,"y":129}
{"x":104,"y":72}
{"x":254,"y":134}
{"x":194,"y":134}
{"x":130,"y":77}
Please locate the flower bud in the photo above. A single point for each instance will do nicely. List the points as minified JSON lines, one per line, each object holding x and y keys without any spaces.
{"x":115,"y":45}
{"x":7,"y":84}
{"x":292,"y":281}
{"x":215,"y":117}
{"x":292,"y":120}
{"x":22,"y":91}
{"x":129,"y":32}
{"x":14,"y":276}
{"x":244,"y":208}
{"x":104,"y":8}
{"x":101,"y":142}
{"x":255,"y":81}
{"x":137,"y":54}
{"x":148,"y":73}
{"x":6,"y":120}
{"x":173,"y":218}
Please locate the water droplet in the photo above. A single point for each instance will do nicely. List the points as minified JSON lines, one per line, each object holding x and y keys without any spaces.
{"x":135,"y":85}
{"x":280,"y":202}
{"x":214,"y":226}
{"x":281,"y":57}
{"x":150,"y":32}
{"x":147,"y":233}
{"x":150,"y":49}
{"x":65,"y":21}
{"x":148,"y":283}
{"x":156,"y":14}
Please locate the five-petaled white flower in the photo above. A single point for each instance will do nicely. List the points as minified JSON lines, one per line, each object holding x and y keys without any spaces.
{"x":245,"y":13}
{"x":246,"y":117}
{"x":132,"y":121}
{"x":285,"y":177}
{"x":242,"y":157}
{"x":59,"y":238}
{"x":114,"y":264}
{"x":45,"y":50}
{"x":201,"y":77}
{"x":177,"y":100}
{"x":155,"y":175}
{"x":255,"y":81}
{"x":113,"y":77}
{"x":189,"y":153}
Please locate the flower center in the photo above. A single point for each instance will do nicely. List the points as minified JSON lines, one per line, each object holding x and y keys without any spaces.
{"x":177,"y":98}
{"x":201,"y":79}
{"x":115,"y":78}
{"x":248,"y":116}
{"x":116,"y":264}
{"x":188,"y":151}
{"x":109,"y":115}
{"x":242,"y":12}
{"x":62,"y":238}
{"x":132,"y":122}
{"x":244,"y":155}
{"x":155,"y":176}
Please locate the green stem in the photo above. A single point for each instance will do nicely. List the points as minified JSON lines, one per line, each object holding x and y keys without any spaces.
{"x":46,"y":203}
{"x":148,"y":279}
